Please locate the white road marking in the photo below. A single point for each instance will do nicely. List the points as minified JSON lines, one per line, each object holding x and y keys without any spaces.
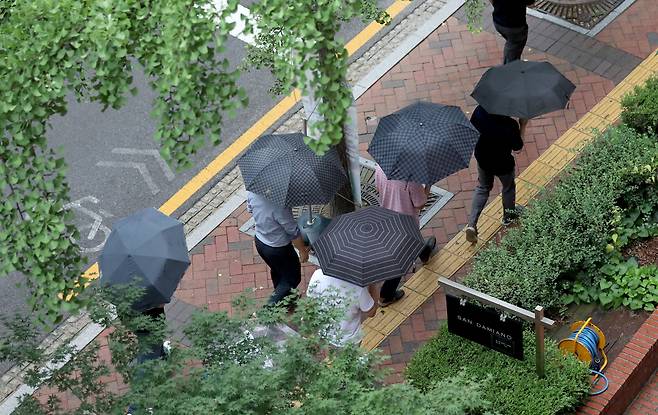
{"x":169,"y":174}
{"x":239,"y":17}
{"x":141,"y":167}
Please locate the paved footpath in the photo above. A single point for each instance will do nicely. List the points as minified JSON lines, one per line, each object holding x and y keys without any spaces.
{"x":442,"y":68}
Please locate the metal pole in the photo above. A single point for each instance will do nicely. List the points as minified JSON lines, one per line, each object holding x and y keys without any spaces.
{"x":539,"y":341}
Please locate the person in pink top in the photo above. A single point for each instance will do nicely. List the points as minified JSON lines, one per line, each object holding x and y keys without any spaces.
{"x":407,"y":198}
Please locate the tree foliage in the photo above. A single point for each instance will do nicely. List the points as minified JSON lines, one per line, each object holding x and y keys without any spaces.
{"x":298,"y":42}
{"x":52,"y":48}
{"x":228,"y":368}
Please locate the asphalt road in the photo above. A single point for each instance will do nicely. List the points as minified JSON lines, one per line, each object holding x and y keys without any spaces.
{"x":114,"y":168}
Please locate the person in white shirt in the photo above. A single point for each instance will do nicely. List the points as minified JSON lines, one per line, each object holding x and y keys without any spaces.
{"x":357,"y":302}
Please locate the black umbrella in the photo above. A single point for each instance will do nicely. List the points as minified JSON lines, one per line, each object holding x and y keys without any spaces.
{"x":523,"y":89}
{"x":148,"y":246}
{"x":370,"y":245}
{"x":284,"y":170}
{"x":423,"y":142}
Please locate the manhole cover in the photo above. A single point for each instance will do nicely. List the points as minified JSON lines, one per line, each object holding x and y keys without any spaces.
{"x":437,"y":198}
{"x":583,"y":13}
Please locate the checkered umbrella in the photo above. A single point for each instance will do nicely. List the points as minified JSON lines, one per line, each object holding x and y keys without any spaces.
{"x":284,"y":170}
{"x":423,"y":142}
{"x":523,"y":89}
{"x":370,"y":245}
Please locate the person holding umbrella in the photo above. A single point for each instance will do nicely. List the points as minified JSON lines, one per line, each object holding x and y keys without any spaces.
{"x":509,"y":18}
{"x":148,"y":249}
{"x":276,"y":235}
{"x":422,"y":143}
{"x":407,"y":198}
{"x":280,"y":172}
{"x":518,"y":89}
{"x":356,"y":252}
{"x":499,"y":136}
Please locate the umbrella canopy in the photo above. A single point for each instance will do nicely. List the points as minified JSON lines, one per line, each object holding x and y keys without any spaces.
{"x":149,"y":246}
{"x":523,"y":89}
{"x":423,"y":142}
{"x":281,"y":168}
{"x":370,"y":245}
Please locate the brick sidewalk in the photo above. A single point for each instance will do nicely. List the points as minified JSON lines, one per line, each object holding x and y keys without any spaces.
{"x":443,"y":68}
{"x":646,"y":402}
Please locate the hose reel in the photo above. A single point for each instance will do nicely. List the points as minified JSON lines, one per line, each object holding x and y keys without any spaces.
{"x":587,"y":342}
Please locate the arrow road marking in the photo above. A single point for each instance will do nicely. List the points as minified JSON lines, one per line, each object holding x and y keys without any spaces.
{"x":169,"y":174}
{"x":141,"y":167}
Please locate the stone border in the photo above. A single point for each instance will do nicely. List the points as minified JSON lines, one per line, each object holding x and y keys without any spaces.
{"x":588,"y":32}
{"x":628,"y":373}
{"x":213,"y":207}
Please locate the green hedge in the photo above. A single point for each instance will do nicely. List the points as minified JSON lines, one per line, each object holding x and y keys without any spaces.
{"x":512,"y":386}
{"x":567,"y":228}
{"x":640,"y":108}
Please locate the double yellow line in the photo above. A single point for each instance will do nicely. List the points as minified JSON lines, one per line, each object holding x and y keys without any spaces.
{"x":255,"y":131}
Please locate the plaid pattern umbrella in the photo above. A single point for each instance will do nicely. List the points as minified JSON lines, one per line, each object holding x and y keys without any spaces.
{"x":284,"y":170}
{"x":370,"y":245}
{"x":523,"y":89}
{"x":423,"y":142}
{"x":148,"y":246}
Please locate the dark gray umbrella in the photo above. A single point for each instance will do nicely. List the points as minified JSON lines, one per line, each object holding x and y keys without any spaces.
{"x":370,"y":245}
{"x":151,"y":247}
{"x":523,"y":89}
{"x":423,"y":142}
{"x":284,"y":170}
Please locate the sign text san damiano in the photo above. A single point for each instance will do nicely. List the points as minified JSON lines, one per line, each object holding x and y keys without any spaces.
{"x":485,"y":326}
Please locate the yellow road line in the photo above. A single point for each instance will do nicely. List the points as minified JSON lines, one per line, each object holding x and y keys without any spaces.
{"x":255,"y":131}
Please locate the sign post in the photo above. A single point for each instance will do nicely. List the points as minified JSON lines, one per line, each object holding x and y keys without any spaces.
{"x":501,"y":337}
{"x":539,"y":341}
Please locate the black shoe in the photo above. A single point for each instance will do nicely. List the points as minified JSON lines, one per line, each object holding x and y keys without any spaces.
{"x":398,"y":296}
{"x":426,"y":253}
{"x":513,"y":215}
{"x":471,"y":234}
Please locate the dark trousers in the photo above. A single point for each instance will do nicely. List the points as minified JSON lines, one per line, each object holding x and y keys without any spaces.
{"x":485,"y":184}
{"x":515,"y":40}
{"x":387,"y":292}
{"x":154,"y":349}
{"x":285,"y":269}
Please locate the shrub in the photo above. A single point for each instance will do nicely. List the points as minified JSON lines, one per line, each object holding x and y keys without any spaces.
{"x":456,"y":395}
{"x":226,"y":370}
{"x":513,"y":387}
{"x":640,"y":108}
{"x":567,"y":228}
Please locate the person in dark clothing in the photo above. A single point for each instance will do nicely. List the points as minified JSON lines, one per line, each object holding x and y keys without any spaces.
{"x":509,"y":18}
{"x":499,"y":136}
{"x":151,"y":348}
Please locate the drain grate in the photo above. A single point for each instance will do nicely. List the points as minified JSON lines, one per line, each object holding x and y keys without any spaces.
{"x":583,"y":13}
{"x":437,"y":198}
